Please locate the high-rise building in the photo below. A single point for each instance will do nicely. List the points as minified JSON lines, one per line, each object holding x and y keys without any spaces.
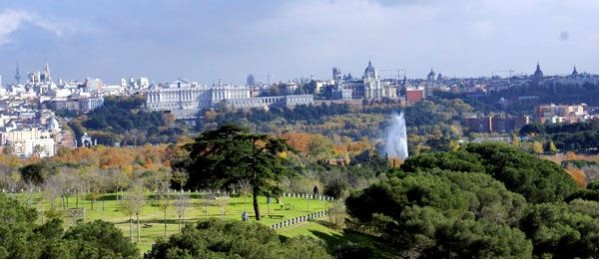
{"x":250,"y":80}
{"x":17,"y":74}
{"x":337,"y":74}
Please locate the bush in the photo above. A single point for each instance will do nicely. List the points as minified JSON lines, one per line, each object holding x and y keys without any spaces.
{"x":335,"y":188}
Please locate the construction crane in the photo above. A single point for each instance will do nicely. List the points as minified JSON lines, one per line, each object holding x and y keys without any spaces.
{"x":509,"y":71}
{"x":397,"y":74}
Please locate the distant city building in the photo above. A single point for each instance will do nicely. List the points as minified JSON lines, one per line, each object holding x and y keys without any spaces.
{"x":414,"y":95}
{"x":575,"y":79}
{"x":79,"y":104}
{"x":87,"y":141}
{"x":538,"y":75}
{"x":185,"y":99}
{"x":431,"y":75}
{"x":561,"y":113}
{"x":369,"y":87}
{"x":250,"y":80}
{"x":336,"y":74}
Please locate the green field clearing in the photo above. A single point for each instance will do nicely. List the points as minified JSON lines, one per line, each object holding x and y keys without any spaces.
{"x":152,"y":221}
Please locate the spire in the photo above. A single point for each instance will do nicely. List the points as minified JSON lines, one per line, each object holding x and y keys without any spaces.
{"x":17,"y":74}
{"x":574,"y":73}
{"x":47,"y":76}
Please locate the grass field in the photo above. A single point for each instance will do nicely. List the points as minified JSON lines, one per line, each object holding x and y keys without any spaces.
{"x":152,"y":218}
{"x":333,"y":237}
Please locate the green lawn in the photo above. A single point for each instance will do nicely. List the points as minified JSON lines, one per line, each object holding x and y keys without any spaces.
{"x":199,"y":208}
{"x":334,"y":237}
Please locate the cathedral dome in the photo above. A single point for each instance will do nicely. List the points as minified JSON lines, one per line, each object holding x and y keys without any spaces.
{"x":370,"y":71}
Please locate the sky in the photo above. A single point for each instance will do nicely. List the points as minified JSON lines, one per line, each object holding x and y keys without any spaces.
{"x":212,"y":40}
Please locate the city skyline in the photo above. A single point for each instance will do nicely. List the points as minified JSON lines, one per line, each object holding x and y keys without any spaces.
{"x":207,"y":41}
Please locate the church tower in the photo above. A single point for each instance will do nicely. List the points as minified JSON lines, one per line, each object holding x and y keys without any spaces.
{"x":371,"y":83}
{"x":17,"y":74}
{"x":574,"y":73}
{"x":538,"y":74}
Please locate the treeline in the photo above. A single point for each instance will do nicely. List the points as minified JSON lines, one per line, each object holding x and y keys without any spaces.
{"x":309,"y":113}
{"x":483,"y":201}
{"x":431,"y":124}
{"x":581,"y":136}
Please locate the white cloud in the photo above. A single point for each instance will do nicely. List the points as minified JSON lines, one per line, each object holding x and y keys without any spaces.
{"x":11,"y":20}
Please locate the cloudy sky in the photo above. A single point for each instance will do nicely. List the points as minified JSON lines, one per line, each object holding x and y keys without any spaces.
{"x":211,"y":40}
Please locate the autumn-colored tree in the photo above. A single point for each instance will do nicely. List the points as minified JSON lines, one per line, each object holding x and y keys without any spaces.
{"x":552,"y":148}
{"x":537,"y":147}
{"x":299,"y":141}
{"x":578,"y":176}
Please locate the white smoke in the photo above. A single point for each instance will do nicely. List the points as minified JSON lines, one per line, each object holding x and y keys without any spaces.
{"x":396,"y":146}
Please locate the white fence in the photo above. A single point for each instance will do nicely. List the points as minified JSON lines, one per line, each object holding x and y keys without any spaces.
{"x":308,"y":196}
{"x":300,"y":219}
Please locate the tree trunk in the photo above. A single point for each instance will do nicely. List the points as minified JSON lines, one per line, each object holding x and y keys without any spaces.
{"x":77,"y":200}
{"x":137,"y":215}
{"x":165,"y":219}
{"x":131,"y":228}
{"x":179,"y":223}
{"x":102,"y":204}
{"x":255,"y":203}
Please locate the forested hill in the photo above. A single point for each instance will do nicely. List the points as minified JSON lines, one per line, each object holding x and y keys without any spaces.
{"x":124,"y":120}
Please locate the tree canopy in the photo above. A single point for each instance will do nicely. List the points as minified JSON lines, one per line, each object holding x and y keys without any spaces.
{"x":443,"y":214}
{"x":537,"y":180}
{"x":231,"y":154}
{"x":21,"y":237}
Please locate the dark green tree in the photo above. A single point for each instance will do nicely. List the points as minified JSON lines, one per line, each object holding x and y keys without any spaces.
{"x":536,"y":179}
{"x":231,"y":154}
{"x":442,"y":214}
{"x":560,"y":231}
{"x":37,"y":173}
{"x":99,"y":239}
{"x":21,"y":237}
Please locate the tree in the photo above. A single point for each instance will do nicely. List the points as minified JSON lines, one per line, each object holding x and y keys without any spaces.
{"x":552,"y":148}
{"x":230,"y":154}
{"x":163,"y":205}
{"x":234,"y":239}
{"x":443,"y":214}
{"x":133,"y":203}
{"x":537,"y":147}
{"x":22,"y":237}
{"x":99,"y":239}
{"x":536,"y":179}
{"x":560,"y":231}
{"x":37,"y":173}
{"x":182,"y":202}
